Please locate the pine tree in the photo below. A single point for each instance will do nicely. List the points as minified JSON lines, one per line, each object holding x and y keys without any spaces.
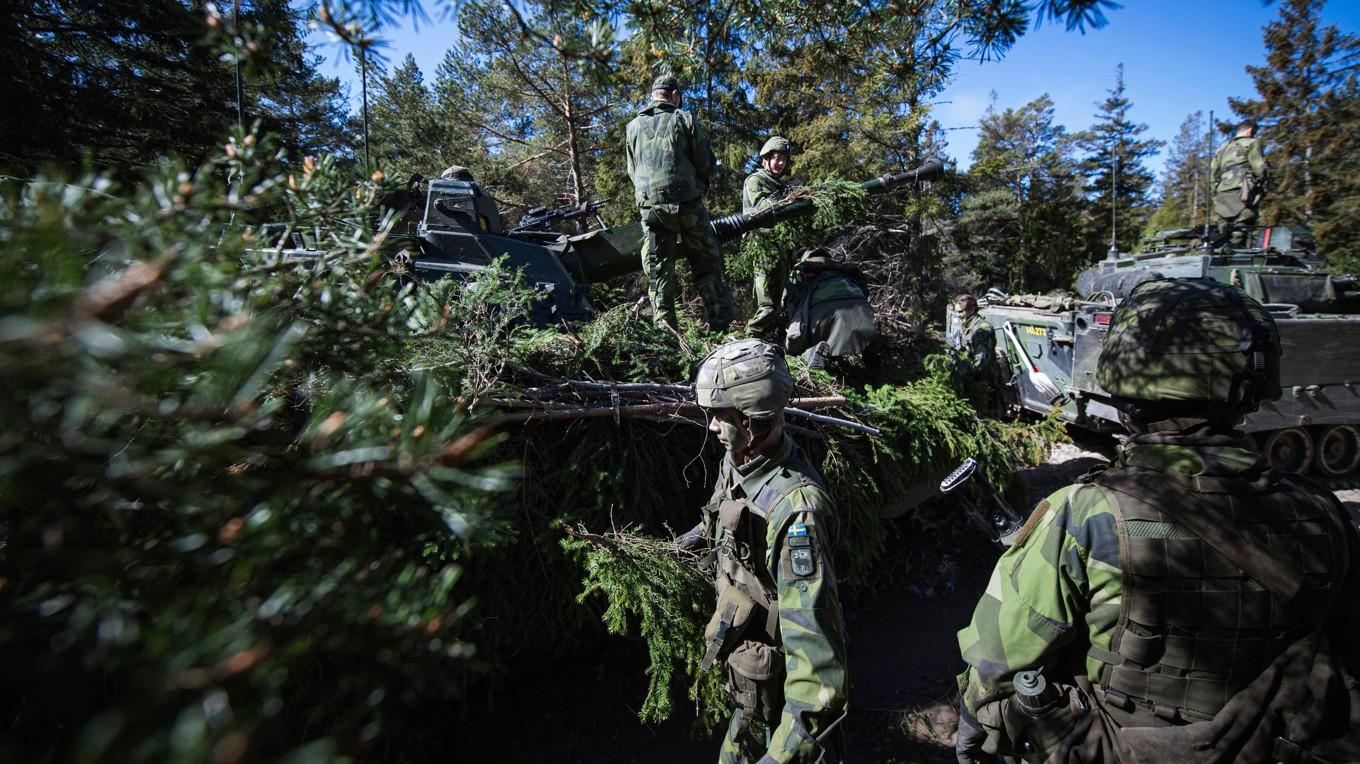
{"x":1020,"y":222}
{"x":129,"y":82}
{"x":1305,"y":93}
{"x":404,"y":129}
{"x":1185,"y":189}
{"x":540,"y":110}
{"x":1117,"y":180}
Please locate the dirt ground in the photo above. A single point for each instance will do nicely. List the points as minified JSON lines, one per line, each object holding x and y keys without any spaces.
{"x":903,"y":655}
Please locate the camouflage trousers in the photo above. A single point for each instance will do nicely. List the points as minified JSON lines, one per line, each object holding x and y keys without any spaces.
{"x":744,"y":743}
{"x":1227,"y":202}
{"x":767,"y":321}
{"x":673,"y":230}
{"x":748,"y":743}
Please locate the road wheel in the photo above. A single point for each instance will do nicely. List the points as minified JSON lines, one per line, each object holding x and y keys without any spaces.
{"x":1338,"y":450}
{"x":1289,"y":450}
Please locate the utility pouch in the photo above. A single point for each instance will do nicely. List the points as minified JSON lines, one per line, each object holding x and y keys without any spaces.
{"x":725,"y":627}
{"x":1039,"y":737}
{"x":1248,"y":189}
{"x":755,"y":677}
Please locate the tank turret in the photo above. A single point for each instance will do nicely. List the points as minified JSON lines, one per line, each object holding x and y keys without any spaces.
{"x":1052,"y":344}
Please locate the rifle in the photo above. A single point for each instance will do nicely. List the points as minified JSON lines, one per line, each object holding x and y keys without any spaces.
{"x":541,"y":218}
{"x":997,"y":519}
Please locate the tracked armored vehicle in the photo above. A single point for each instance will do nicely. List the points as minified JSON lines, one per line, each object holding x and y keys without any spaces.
{"x":451,"y":228}
{"x":1052,"y":343}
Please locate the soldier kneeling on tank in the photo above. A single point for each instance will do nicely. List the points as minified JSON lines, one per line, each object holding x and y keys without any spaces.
{"x":777,"y":627}
{"x":1187,"y":604}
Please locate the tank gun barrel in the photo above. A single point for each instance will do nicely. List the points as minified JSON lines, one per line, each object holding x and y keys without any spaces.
{"x":731,"y":227}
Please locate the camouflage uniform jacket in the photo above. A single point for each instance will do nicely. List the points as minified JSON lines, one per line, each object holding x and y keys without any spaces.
{"x":1234,"y":160}
{"x":787,"y":490}
{"x":669,"y":159}
{"x":761,"y":189}
{"x":977,"y":340}
{"x":1054,"y":599}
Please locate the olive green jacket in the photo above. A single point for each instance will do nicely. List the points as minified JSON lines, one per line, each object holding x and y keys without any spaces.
{"x":1234,"y":160}
{"x":811,"y":631}
{"x":761,"y":189}
{"x":669,"y":158}
{"x":977,"y":342}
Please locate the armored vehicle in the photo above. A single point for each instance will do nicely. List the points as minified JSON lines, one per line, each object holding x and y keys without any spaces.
{"x":451,"y":228}
{"x":1051,"y":343}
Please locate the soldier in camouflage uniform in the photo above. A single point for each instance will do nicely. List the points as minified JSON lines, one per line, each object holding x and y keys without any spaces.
{"x":671,"y":164}
{"x":976,"y":346}
{"x":762,"y":188}
{"x":1146,"y":592}
{"x":1239,"y":175}
{"x":777,"y":628}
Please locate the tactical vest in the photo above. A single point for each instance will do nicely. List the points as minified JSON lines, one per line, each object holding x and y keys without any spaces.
{"x":1233,"y":165}
{"x":744,"y":630}
{"x":663,"y":170}
{"x":1193,"y":629}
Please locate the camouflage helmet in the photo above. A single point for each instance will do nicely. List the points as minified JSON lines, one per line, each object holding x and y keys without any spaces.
{"x":747,"y":375}
{"x":776,"y":143}
{"x":1191,"y":340}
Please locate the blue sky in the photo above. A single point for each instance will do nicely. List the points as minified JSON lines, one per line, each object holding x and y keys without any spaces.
{"x":1179,"y":56}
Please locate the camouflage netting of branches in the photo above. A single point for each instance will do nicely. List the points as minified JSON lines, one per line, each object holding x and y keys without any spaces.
{"x":253,"y":507}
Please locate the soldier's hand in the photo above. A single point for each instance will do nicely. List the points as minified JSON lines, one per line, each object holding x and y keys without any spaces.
{"x":692,"y":540}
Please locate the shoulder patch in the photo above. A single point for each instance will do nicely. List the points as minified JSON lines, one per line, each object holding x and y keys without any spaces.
{"x":799,"y":544}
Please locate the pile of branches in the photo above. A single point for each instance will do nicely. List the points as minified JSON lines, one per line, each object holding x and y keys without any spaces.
{"x":570,"y":399}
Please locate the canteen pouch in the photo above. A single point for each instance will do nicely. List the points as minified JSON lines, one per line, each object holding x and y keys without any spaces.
{"x":755,"y":678}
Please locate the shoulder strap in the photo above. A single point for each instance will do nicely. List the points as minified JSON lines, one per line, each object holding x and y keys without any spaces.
{"x":1190,"y":509}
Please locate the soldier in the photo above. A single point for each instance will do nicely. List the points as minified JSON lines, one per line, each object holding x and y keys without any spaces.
{"x":976,"y":345}
{"x":1239,"y":174}
{"x":762,"y":188}
{"x":671,"y":164}
{"x":777,"y":628}
{"x":1186,"y":604}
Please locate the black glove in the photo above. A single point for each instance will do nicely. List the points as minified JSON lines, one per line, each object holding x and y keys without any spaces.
{"x":692,"y":540}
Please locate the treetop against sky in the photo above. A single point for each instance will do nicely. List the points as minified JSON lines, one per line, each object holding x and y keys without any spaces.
{"x":1178,"y":58}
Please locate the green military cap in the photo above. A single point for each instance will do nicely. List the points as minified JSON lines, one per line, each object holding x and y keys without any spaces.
{"x":777,"y":143}
{"x":747,"y":375}
{"x":665,"y":82}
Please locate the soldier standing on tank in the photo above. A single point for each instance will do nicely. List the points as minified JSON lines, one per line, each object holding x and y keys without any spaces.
{"x":766,"y":186}
{"x":671,"y":164}
{"x":1239,"y":174}
{"x":976,"y":346}
{"x":777,"y":628}
{"x":1179,"y":603}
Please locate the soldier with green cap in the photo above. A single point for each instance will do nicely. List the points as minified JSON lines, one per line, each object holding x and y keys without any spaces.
{"x":776,"y":629}
{"x":1187,"y":603}
{"x":671,"y":164}
{"x":1239,"y":176}
{"x":766,"y":186}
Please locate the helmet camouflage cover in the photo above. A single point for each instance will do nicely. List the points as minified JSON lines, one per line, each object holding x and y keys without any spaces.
{"x":747,"y":375}
{"x":776,"y":143}
{"x":1191,"y":340}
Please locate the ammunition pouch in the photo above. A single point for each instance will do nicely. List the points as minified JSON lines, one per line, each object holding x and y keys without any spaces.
{"x":755,"y":679}
{"x":725,"y":628}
